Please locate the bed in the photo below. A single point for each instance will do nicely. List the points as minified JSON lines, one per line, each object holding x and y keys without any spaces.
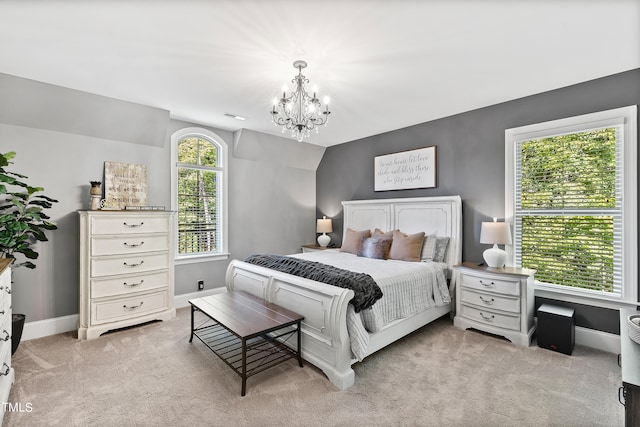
{"x":330,"y":330}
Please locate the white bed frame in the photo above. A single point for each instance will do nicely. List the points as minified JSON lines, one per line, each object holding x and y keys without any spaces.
{"x":325,"y":341}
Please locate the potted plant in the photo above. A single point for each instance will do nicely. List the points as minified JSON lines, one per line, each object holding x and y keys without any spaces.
{"x":23,"y":222}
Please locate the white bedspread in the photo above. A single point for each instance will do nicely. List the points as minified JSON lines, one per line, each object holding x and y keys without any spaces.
{"x":408,"y":288}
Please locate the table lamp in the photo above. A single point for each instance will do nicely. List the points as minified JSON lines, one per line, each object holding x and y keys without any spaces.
{"x":495,"y":233}
{"x":324,"y":226}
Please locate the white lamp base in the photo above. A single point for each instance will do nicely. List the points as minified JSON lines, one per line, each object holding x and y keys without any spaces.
{"x":324,"y":240}
{"x":495,"y":257}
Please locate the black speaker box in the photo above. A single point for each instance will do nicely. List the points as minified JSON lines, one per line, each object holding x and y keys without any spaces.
{"x":556,"y":328}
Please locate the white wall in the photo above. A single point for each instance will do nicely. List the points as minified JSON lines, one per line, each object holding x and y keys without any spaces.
{"x":271,"y":203}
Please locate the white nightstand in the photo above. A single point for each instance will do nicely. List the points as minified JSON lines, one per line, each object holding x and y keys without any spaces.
{"x":315,"y":248}
{"x":496,"y":300}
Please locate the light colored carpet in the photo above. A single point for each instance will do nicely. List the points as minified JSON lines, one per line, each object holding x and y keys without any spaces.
{"x":438,"y":376}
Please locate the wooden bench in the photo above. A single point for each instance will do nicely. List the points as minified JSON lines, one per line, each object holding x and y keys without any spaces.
{"x":246,"y":332}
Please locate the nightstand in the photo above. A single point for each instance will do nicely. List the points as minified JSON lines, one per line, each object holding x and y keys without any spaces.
{"x":315,"y":248}
{"x":496,"y":300}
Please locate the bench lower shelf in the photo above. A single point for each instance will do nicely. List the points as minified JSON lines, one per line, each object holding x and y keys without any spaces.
{"x":246,"y":356}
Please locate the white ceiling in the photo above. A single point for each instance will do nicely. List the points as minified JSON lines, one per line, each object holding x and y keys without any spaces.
{"x":384,"y":64}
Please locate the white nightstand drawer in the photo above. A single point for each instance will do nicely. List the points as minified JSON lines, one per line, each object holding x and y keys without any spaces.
{"x":131,"y":264}
{"x":129,"y":245}
{"x":129,"y":224}
{"x":485,"y":283}
{"x":488,"y":317}
{"x":485,"y":299}
{"x":126,"y":308}
{"x":128,"y":284}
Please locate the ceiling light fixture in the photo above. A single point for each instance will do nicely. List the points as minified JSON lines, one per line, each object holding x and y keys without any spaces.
{"x":299,"y":112}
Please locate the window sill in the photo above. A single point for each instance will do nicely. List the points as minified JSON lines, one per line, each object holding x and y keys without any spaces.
{"x":192,"y":259}
{"x":569,"y":295}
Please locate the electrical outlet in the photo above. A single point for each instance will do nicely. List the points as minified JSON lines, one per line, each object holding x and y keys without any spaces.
{"x":200,"y":285}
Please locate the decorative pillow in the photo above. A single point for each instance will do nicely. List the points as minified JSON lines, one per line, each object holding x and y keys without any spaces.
{"x":440,"y":252}
{"x":353,"y":239}
{"x":375,"y":247}
{"x":377,"y":233}
{"x":428,"y":248}
{"x":406,"y":248}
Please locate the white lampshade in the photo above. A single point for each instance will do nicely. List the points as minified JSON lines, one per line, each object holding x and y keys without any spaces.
{"x":324,"y":226}
{"x":495,"y":233}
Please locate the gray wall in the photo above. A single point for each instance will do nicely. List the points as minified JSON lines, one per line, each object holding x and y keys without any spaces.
{"x":470,"y":160}
{"x":271,"y":197}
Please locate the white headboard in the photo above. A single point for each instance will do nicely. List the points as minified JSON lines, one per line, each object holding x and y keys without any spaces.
{"x":441,"y":216}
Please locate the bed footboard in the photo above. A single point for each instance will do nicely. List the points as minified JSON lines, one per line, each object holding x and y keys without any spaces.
{"x":325,"y":340}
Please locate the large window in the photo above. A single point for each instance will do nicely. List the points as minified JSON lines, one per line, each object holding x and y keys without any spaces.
{"x":571,"y":194}
{"x":199,"y":193}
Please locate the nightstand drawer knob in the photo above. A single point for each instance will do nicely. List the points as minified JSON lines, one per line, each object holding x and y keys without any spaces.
{"x":6,"y":371}
{"x":487,"y":318}
{"x":487,"y":301}
{"x":487,"y":285}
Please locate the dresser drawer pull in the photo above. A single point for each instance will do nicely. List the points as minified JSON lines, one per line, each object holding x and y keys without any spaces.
{"x":8,"y":290}
{"x":487,"y":285}
{"x":2,"y":312}
{"x":487,"y":318}
{"x":133,"y":285}
{"x":487,"y":301}
{"x":133,"y":245}
{"x":7,"y":337}
{"x":7,"y":370}
{"x":133,"y":225}
{"x":133,"y":307}
{"x":133,"y":265}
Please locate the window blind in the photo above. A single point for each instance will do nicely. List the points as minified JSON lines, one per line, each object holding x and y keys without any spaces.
{"x":568,"y":208}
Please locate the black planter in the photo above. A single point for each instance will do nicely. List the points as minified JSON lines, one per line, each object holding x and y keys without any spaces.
{"x":17,"y":325}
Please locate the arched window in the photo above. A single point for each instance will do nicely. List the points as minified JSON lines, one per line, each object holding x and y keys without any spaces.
{"x":199,"y":193}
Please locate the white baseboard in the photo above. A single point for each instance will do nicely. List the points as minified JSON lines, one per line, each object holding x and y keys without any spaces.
{"x":182,"y":300}
{"x":597,"y":339}
{"x":46,"y":327}
{"x":59,"y":325}
{"x":42,"y":328}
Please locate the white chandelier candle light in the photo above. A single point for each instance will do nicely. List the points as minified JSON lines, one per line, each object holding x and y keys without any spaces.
{"x":495,"y":233}
{"x":299,"y":112}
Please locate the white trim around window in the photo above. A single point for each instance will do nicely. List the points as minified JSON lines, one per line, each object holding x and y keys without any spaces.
{"x":628,"y":117}
{"x":223,"y":161}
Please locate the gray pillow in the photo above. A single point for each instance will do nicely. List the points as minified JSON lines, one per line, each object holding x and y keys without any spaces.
{"x":440,"y":252}
{"x":373,"y":247}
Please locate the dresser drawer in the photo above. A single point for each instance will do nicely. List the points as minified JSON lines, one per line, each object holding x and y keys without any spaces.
{"x":129,"y":264}
{"x":485,"y":299}
{"x":133,"y":244}
{"x":126,"y":308}
{"x":509,"y":287}
{"x":489,"y":317}
{"x":129,"y":224}
{"x":127,"y":284}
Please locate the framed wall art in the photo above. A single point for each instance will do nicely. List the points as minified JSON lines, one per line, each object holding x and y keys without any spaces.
{"x":406,"y":170}
{"x":125,"y":185}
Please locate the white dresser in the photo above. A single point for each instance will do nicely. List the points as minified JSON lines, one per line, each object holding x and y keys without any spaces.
{"x":126,"y":269}
{"x":6,"y":371}
{"x":499,"y":301}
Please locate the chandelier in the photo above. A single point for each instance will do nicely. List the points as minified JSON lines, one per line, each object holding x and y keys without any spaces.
{"x":299,"y":112}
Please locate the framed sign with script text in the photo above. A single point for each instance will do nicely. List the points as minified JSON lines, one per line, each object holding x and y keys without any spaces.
{"x":406,"y":170}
